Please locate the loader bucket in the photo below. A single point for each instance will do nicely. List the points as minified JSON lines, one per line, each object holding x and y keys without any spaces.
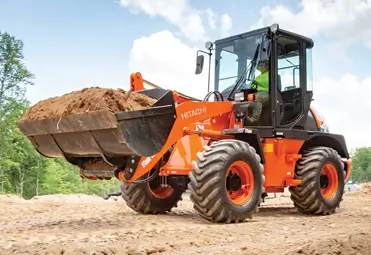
{"x":146,"y":131}
{"x":97,"y":134}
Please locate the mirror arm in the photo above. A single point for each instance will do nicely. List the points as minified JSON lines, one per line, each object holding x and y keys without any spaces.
{"x":208,"y":53}
{"x":208,"y":78}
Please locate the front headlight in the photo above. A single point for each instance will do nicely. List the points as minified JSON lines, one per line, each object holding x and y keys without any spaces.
{"x":240,"y":96}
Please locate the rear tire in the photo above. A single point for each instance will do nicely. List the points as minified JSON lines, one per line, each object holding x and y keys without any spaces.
{"x":209,"y":181}
{"x":150,"y":198}
{"x":322,"y":173}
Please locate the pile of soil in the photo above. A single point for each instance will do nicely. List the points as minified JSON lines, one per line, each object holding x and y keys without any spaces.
{"x":11,"y":198}
{"x":355,"y":243}
{"x":88,"y":100}
{"x":365,"y":189}
{"x":68,"y":198}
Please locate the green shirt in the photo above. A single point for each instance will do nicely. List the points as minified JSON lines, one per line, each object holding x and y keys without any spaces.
{"x":263,"y":81}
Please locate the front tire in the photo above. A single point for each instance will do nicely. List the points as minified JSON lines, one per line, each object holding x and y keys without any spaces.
{"x":227,"y":180}
{"x":150,"y":198}
{"x":322,"y":173}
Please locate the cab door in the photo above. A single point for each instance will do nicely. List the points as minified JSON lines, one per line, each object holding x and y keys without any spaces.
{"x":291,"y":82}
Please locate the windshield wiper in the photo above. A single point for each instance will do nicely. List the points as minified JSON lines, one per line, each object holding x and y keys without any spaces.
{"x":253,"y":61}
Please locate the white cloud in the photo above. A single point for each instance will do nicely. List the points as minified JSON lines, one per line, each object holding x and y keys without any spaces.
{"x":346,"y":104}
{"x":165,"y":61}
{"x":212,"y":17}
{"x":179,"y":13}
{"x":176,"y":12}
{"x":345,"y":19}
{"x":226,"y":25}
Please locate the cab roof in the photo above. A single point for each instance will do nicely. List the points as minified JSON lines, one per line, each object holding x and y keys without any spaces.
{"x":308,"y":41}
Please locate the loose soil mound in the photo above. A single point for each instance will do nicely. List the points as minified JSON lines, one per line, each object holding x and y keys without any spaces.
{"x":88,"y":100}
{"x":358,"y":243}
{"x":68,"y":198}
{"x":365,"y":189}
{"x":11,"y":198}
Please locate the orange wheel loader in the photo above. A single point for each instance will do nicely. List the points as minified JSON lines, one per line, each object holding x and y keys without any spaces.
{"x":211,"y":147}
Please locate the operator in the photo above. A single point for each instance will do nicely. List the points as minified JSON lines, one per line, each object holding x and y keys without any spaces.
{"x":261,"y":84}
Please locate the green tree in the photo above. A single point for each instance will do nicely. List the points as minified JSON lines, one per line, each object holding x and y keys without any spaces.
{"x":14,"y":78}
{"x":19,"y":159}
{"x":361,"y":164}
{"x":14,"y":75}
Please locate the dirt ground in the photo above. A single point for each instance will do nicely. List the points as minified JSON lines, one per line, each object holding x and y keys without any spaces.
{"x":81,"y":224}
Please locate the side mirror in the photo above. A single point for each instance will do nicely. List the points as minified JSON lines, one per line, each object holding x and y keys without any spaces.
{"x":199,"y":64}
{"x":264,"y":51}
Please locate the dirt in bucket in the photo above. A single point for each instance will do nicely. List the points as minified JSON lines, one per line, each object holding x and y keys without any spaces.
{"x":88,"y":100}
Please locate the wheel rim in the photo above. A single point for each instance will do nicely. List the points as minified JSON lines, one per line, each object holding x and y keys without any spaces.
{"x":239,"y":183}
{"x":157,"y":191}
{"x":161,"y":192}
{"x":329,"y":181}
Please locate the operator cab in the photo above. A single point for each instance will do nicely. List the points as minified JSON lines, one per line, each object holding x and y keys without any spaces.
{"x":290,"y":73}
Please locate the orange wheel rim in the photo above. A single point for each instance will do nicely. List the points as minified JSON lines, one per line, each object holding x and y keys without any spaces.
{"x":241,"y":194}
{"x":329,"y":181}
{"x":158,"y":191}
{"x":161,"y":192}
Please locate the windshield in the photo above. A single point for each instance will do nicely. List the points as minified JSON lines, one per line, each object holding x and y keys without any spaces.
{"x":232,"y":58}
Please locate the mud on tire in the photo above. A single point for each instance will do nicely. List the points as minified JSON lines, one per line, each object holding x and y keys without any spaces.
{"x":150,"y":198}
{"x":322,"y":173}
{"x":208,"y":185}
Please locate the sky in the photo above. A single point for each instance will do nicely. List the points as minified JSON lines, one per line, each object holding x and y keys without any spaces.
{"x":71,"y":44}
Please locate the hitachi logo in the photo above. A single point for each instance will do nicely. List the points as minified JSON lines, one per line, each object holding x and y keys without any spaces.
{"x":198,"y":111}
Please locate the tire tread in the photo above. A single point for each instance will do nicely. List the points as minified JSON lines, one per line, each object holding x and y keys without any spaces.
{"x":305,"y":196}
{"x":137,"y":198}
{"x":208,"y":172}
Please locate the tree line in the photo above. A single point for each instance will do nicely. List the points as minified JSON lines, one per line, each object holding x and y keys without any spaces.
{"x":25,"y":172}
